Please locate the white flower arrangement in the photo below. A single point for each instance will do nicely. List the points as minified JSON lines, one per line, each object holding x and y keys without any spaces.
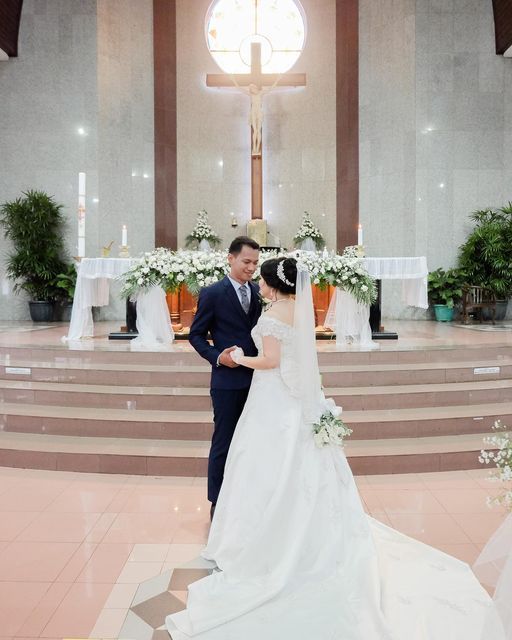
{"x":330,"y":428}
{"x":345,"y":271}
{"x":308,"y":229}
{"x":198,"y":269}
{"x":501,"y":456}
{"x":202,"y":231}
{"x":154,"y":269}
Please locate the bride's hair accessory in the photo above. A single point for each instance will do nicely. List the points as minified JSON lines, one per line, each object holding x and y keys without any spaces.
{"x":281,"y":275}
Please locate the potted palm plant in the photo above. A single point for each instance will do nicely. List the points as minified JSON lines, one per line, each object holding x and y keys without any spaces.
{"x":65,"y":283}
{"x":486,"y":256}
{"x":444,"y":291}
{"x":34,"y":224}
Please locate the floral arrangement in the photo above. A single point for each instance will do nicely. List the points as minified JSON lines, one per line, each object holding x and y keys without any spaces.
{"x":501,"y":456}
{"x":330,"y":428}
{"x":308,"y":229}
{"x":154,"y":269}
{"x":202,"y":231}
{"x":198,"y":269}
{"x":171,"y":269}
{"x":345,"y":271}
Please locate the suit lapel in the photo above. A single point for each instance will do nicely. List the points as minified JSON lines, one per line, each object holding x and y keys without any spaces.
{"x":255,"y":300}
{"x":235,"y":301}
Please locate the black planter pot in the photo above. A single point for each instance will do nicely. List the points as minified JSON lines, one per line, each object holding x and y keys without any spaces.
{"x":41,"y":311}
{"x":62,"y":312}
{"x":501,"y":311}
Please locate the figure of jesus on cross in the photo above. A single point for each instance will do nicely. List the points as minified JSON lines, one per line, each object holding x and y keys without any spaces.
{"x":256,"y":84}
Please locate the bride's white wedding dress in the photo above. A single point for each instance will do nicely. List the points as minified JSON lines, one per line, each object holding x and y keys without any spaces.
{"x":298,"y":557}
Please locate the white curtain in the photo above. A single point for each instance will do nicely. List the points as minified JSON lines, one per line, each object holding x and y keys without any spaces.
{"x":153,"y":321}
{"x":350,"y":320}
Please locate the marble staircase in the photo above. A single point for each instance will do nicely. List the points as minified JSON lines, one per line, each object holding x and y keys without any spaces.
{"x":116,"y":411}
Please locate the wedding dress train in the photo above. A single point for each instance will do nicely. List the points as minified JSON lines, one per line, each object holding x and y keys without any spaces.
{"x":297,"y":556}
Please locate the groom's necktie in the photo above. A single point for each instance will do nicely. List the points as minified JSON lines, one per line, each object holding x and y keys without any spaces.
{"x":244,"y":298}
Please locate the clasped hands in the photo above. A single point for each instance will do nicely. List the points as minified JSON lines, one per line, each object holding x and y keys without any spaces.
{"x":231,"y":356}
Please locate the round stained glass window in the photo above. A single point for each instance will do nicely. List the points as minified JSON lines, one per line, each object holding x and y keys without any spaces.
{"x":232,"y":25}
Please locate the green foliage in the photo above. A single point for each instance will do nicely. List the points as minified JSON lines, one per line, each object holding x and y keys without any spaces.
{"x":445,"y":287}
{"x":486,"y":256}
{"x":66,"y":282}
{"x":33,"y":224}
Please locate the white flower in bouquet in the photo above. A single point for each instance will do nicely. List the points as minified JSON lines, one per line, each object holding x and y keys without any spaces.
{"x":330,"y":428}
{"x":501,"y":456}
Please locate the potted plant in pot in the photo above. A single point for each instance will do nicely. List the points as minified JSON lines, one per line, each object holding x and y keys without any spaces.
{"x":486,"y":256}
{"x":444,"y":291}
{"x":34,"y":224}
{"x":65,"y":282}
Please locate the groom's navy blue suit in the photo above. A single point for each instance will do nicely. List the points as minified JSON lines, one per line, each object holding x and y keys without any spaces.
{"x":220,"y":312}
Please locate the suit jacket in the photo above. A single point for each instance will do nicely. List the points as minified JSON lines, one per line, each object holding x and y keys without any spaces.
{"x":219,"y":312}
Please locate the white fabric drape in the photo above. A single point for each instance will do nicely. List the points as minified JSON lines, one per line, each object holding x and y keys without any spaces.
{"x":92,"y":290}
{"x":413,"y":271}
{"x":153,"y":321}
{"x":350,"y":319}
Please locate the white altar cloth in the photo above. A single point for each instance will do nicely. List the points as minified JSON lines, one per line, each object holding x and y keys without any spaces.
{"x":412,"y":271}
{"x":93,"y":289}
{"x":350,"y":319}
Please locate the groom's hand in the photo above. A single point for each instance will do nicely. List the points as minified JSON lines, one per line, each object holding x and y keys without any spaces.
{"x":225,"y":358}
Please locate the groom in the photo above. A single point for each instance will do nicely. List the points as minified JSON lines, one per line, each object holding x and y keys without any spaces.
{"x":228,"y":310}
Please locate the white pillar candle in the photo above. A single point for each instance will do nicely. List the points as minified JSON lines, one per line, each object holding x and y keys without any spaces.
{"x":360,"y":234}
{"x":81,"y":215}
{"x":124,"y":236}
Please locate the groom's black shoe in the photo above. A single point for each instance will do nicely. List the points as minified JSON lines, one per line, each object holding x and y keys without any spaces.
{"x":212,"y":511}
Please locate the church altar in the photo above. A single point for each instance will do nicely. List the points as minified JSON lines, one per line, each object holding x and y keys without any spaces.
{"x":350,"y":319}
{"x":93,"y":290}
{"x":335,"y":307}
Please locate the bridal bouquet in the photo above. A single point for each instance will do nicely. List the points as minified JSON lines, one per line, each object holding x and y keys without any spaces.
{"x":502,"y":458}
{"x":330,"y":428}
{"x":308,"y":231}
{"x":202,"y":232}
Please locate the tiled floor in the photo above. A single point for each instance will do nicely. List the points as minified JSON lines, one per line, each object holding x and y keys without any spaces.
{"x":75,"y":547}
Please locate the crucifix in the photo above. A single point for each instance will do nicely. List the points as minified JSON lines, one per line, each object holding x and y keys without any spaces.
{"x":256,"y":84}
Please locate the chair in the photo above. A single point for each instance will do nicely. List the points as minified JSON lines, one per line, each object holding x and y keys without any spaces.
{"x":474,"y":299}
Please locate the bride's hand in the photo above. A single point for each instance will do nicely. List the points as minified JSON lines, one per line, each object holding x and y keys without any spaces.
{"x":236,"y":355}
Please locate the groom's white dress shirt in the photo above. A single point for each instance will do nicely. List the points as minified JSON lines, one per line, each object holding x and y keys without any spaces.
{"x":237,"y":286}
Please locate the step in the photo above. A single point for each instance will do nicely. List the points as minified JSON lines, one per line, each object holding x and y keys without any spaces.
{"x":168,"y":398}
{"x":197,"y":425}
{"x":198,"y":375}
{"x":181,"y":353}
{"x":154,"y":457}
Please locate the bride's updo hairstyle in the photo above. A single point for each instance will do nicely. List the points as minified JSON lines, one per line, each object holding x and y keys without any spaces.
{"x":280,"y":274}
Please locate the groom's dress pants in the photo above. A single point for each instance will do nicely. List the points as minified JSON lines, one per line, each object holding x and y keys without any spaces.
{"x":228,"y":405}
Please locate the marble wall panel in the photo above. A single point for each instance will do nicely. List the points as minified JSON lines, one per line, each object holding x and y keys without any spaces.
{"x":81,"y":64}
{"x":458,"y":96}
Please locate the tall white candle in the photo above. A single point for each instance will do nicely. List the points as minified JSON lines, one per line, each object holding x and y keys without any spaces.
{"x":360,"y":234}
{"x":81,"y":215}
{"x":124,"y":240}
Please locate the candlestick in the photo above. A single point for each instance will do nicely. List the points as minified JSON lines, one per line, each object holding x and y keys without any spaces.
{"x":81,"y":215}
{"x":124,"y":236}
{"x":360,"y":234}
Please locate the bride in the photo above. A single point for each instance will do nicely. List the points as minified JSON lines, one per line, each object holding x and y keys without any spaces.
{"x":295,"y":556}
